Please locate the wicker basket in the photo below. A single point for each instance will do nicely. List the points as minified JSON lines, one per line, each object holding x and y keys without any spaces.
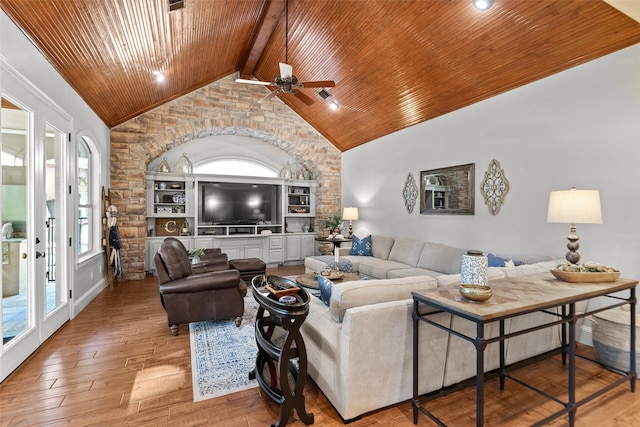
{"x":611,"y":338}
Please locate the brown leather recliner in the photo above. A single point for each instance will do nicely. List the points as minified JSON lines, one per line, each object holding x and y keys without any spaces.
{"x":212,"y":260}
{"x":189,"y":297}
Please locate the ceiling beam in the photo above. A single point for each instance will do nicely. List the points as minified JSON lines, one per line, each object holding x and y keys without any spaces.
{"x":272,"y":11}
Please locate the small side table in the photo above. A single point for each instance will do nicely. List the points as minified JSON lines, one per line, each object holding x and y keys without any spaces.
{"x":279,"y":343}
{"x":336,"y":243}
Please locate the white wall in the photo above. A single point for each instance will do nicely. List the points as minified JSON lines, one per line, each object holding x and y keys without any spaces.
{"x":36,"y":73}
{"x":577,"y":128}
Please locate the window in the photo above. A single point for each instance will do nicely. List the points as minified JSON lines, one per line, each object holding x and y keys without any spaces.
{"x":85,"y":198}
{"x":235,"y":167}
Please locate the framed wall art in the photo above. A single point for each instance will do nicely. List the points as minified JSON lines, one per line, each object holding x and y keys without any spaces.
{"x":448,"y":190}
{"x":494,"y":187}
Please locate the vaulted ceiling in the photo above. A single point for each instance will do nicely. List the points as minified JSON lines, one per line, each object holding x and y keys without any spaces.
{"x":395,"y":63}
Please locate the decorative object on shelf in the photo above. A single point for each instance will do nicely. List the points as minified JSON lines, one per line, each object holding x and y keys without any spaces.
{"x":306,"y":227}
{"x":178,"y":198}
{"x":410,"y":192}
{"x":183,"y":165}
{"x":437,"y":186}
{"x":164,"y":166}
{"x":574,"y":207}
{"x":300,"y":175}
{"x":474,"y":268}
{"x":156,"y":198}
{"x":494,"y":187}
{"x":287,"y":171}
{"x":350,"y":214}
{"x":476,"y":293}
{"x":175,"y":186}
{"x":184,"y":231}
{"x":167,"y":226}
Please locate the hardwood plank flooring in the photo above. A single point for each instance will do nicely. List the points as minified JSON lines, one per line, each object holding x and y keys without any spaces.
{"x":117,"y":364}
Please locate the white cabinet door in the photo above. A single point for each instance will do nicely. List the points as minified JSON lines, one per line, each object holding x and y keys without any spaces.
{"x":293,"y":248}
{"x":307,"y":246}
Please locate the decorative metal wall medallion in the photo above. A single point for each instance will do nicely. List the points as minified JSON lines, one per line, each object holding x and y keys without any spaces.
{"x":494,"y":187}
{"x":410,"y":192}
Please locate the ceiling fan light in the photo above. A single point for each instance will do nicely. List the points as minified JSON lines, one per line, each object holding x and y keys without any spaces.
{"x":483,"y":4}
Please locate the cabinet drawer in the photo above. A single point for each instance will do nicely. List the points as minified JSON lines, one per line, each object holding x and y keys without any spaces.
{"x":276,"y":242}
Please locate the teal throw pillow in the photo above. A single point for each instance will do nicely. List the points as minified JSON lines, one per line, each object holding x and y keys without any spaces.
{"x":325,"y":286}
{"x":361,"y":247}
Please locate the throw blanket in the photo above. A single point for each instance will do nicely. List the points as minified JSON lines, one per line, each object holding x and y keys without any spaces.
{"x":343,"y":265}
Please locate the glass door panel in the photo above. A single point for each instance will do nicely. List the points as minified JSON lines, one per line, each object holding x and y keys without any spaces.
{"x":17,"y":298}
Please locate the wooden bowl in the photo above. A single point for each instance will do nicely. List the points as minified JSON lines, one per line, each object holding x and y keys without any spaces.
{"x":585,"y":276}
{"x":477,"y":293}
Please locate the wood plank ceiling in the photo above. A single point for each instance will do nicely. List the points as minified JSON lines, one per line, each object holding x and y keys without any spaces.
{"x":396,"y":63}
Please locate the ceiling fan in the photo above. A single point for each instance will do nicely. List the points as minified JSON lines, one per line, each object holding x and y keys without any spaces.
{"x":286,"y":82}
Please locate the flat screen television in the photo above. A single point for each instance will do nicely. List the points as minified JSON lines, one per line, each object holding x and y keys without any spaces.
{"x":235,"y":203}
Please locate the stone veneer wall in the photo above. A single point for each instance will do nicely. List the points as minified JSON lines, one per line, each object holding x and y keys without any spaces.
{"x":221,"y":108}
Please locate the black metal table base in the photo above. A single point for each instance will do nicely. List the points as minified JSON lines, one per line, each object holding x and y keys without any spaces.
{"x":567,"y":321}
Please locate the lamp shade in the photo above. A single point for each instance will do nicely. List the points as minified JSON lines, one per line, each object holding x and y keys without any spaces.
{"x":575,"y":207}
{"x":350,"y":214}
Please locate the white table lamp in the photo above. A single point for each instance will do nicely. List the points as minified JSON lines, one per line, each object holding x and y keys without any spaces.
{"x":574,"y":207}
{"x":352,"y":215}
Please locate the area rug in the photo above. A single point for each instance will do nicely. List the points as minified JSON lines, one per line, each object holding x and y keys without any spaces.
{"x":222,"y":354}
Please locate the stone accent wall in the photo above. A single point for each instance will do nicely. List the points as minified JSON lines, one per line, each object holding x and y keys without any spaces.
{"x":221,"y":108}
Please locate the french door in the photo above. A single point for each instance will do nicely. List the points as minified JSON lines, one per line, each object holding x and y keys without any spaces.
{"x":35,"y":281}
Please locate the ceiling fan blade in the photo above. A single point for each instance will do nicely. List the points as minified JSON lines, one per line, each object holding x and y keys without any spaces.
{"x":304,"y":98}
{"x":253,"y":82}
{"x":268,"y":97}
{"x":319,"y":83}
{"x":286,"y":71}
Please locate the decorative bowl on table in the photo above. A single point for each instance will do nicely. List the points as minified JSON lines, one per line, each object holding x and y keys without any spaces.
{"x":585,"y":273}
{"x":477,"y":293}
{"x":332,"y":274}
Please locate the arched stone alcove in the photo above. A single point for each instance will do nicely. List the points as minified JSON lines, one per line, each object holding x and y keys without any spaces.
{"x":221,"y":108}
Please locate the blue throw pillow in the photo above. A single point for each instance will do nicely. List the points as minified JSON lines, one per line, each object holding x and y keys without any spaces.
{"x":361,"y":247}
{"x":325,"y":286}
{"x":495,"y":261}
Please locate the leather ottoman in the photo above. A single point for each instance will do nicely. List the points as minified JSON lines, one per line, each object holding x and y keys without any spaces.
{"x":248,"y":267}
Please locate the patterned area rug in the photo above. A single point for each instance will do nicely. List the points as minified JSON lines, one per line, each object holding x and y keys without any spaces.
{"x":222,"y":355}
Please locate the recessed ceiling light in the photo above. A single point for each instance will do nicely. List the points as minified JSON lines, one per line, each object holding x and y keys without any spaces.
{"x":158,"y":76}
{"x":482,"y":4}
{"x":334,"y":105}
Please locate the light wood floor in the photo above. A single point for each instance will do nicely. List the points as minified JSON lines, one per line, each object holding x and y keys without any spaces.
{"x":117,"y":364}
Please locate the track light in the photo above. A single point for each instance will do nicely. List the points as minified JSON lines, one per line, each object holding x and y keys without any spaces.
{"x":482,"y":4}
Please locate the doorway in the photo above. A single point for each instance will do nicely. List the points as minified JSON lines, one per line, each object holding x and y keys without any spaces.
{"x":35,"y":299}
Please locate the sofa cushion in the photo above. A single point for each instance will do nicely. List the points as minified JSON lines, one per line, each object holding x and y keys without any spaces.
{"x":413,"y":271}
{"x":496,"y":261}
{"x":364,"y":292}
{"x":379,"y":268}
{"x":361,"y":247}
{"x":442,"y":258}
{"x":406,"y":251}
{"x":539,"y":267}
{"x":326,"y":286}
{"x":381,"y":246}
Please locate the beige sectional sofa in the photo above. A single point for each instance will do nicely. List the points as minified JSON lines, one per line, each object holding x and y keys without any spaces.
{"x":359,"y":348}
